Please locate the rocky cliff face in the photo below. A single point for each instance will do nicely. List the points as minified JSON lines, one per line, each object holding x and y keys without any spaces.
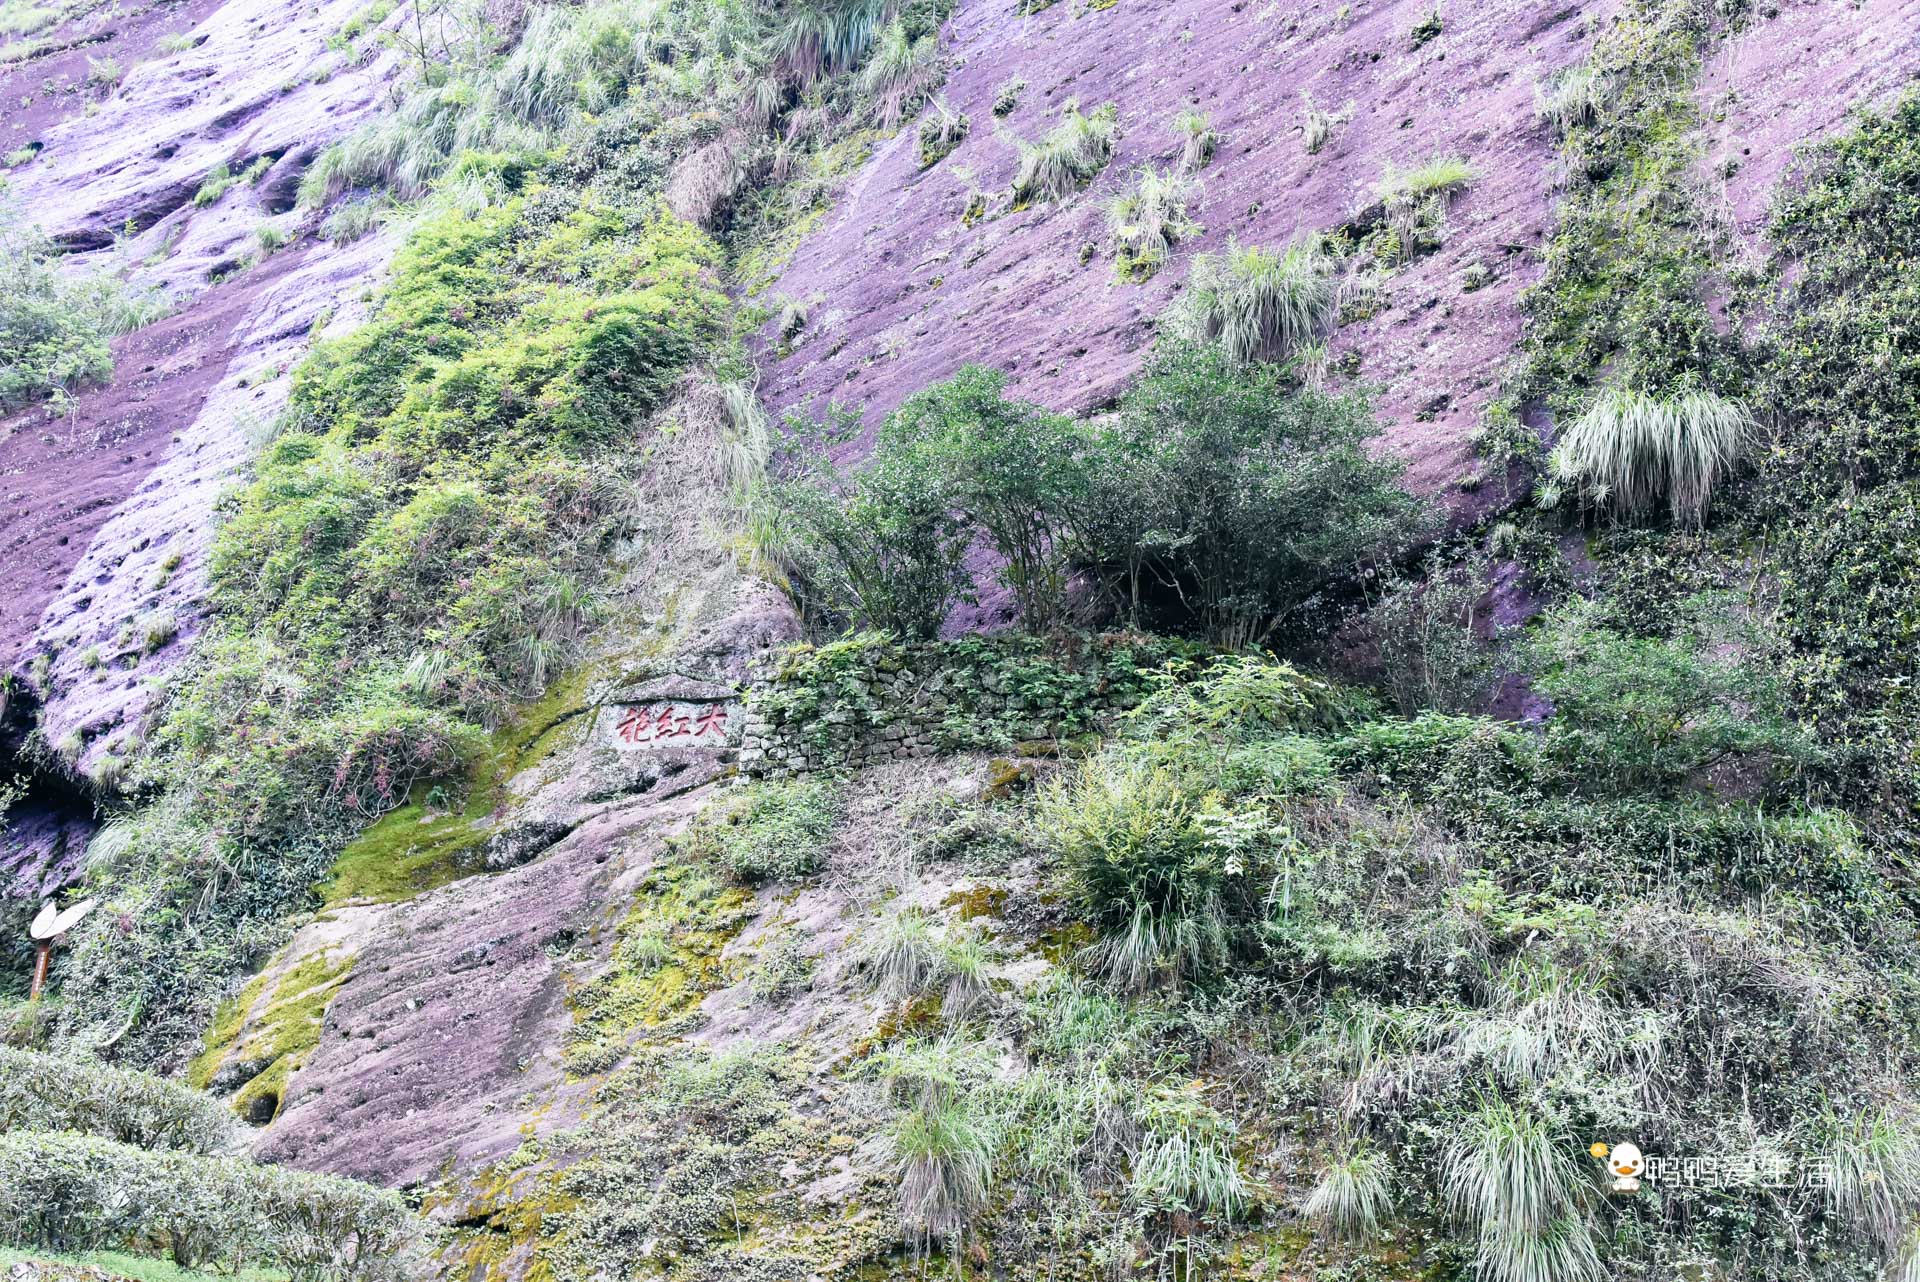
{"x":462,"y":1030}
{"x":109,"y":508}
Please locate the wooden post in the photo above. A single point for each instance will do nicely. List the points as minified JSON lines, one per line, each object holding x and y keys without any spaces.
{"x":42,"y":954}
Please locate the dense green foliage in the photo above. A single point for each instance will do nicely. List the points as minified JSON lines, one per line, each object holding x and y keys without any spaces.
{"x":46,"y":1093}
{"x":54,"y":327}
{"x":1220,"y":498}
{"x":423,"y":544}
{"x":77,"y":1192}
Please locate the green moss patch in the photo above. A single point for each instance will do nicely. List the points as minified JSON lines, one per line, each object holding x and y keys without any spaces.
{"x":666,"y":957}
{"x":420,"y":846}
{"x":278,"y":1034}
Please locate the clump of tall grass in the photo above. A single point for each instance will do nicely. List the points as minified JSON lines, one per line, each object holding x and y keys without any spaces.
{"x":355,"y":218}
{"x":1510,"y":1177}
{"x":1069,"y":157}
{"x":213,"y":186}
{"x":1184,"y":1160}
{"x":1317,"y":125}
{"x":105,"y":73}
{"x":1545,"y":1020}
{"x":1569,"y":98}
{"x":902,"y":954}
{"x":1630,"y":450}
{"x":900,"y":72}
{"x":942,"y":1145}
{"x":1352,"y":1196}
{"x":1142,"y":852}
{"x":1259,"y":304}
{"x":1148,"y":219}
{"x":1873,"y":1175}
{"x":964,"y":961}
{"x":1415,"y":201}
{"x":826,"y":37}
{"x":1198,"y":141}
{"x":942,"y":131}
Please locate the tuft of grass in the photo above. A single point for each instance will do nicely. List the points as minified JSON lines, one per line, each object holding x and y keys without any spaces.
{"x":1184,"y":1161}
{"x":1148,"y":219}
{"x":1352,"y":1197}
{"x":1259,"y":305}
{"x":1317,"y":126}
{"x":900,"y":72}
{"x":964,"y":961}
{"x":1068,"y":158}
{"x":1510,"y":1177}
{"x":105,"y":73}
{"x":1416,"y":202}
{"x":1629,"y":450}
{"x":177,"y":42}
{"x":942,"y":1144}
{"x":355,"y":218}
{"x":1873,"y":1166}
{"x":1007,"y":96}
{"x":902,"y":954}
{"x":213,"y":186}
{"x":943,"y":130}
{"x":1198,"y":141}
{"x":1568,"y":98}
{"x":268,"y":238}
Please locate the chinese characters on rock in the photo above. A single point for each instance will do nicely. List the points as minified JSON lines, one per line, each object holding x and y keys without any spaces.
{"x":678,"y":725}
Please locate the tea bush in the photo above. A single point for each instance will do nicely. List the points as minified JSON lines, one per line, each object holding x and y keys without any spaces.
{"x":40,"y":1092}
{"x":77,"y":1192}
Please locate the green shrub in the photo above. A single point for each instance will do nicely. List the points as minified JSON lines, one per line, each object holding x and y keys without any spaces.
{"x":1632,"y":713}
{"x":40,"y":1092}
{"x":1427,"y":632}
{"x":1155,"y":858}
{"x":54,"y":326}
{"x":76,"y":1192}
{"x":1245,"y":495}
{"x":1840,"y":370}
{"x":1010,"y":467}
{"x":881,"y":548}
{"x":779,"y":829}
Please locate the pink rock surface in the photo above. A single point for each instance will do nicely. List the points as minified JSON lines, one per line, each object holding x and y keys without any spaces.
{"x":907,"y":293}
{"x":450,"y":1023}
{"x":1793,"y":79}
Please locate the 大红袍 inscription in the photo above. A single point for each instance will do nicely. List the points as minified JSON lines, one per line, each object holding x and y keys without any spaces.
{"x":674,"y":724}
